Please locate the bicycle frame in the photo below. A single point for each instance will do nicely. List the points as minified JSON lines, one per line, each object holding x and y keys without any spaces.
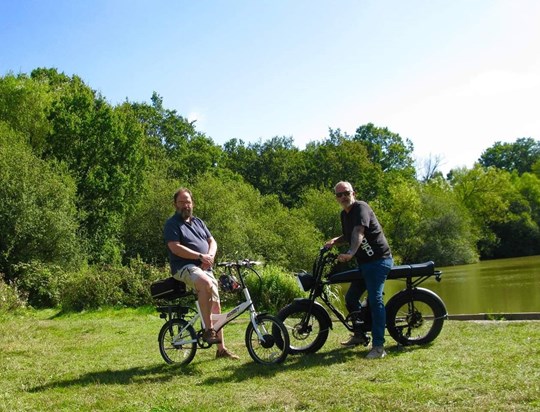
{"x":266,"y":338}
{"x":413,"y":275}
{"x":222,"y":319}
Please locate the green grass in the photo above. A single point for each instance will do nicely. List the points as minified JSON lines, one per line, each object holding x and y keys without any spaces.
{"x":109,"y":361}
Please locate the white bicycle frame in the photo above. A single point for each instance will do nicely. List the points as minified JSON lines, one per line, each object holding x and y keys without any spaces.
{"x":220,"y":320}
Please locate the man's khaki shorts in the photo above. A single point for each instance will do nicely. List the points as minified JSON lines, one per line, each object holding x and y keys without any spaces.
{"x":190,"y":273}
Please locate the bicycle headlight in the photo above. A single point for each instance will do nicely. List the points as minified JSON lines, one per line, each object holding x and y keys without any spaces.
{"x":306,"y":281}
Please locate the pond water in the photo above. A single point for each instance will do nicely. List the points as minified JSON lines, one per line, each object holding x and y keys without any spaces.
{"x":491,"y":286}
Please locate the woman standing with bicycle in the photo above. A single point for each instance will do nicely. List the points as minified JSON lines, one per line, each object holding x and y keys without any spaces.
{"x":191,"y":249}
{"x":367,"y":243}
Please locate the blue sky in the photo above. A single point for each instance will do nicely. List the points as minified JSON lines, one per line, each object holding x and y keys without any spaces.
{"x":453,"y":76}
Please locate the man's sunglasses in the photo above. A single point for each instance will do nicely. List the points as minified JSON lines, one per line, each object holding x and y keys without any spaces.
{"x":345,"y":193}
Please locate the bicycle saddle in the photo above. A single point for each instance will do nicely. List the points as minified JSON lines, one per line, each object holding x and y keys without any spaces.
{"x":397,"y":272}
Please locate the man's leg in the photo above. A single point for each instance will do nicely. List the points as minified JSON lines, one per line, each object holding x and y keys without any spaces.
{"x":352,"y":303}
{"x":203,"y":287}
{"x":375,"y":275}
{"x":353,"y":295}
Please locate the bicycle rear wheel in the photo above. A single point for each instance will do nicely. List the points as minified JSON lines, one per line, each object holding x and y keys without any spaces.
{"x":177,"y":342}
{"x":415,"y":318}
{"x":274,"y":345}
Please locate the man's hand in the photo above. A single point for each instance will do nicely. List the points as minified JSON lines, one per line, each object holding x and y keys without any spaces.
{"x":344,"y":257}
{"x":207,"y":261}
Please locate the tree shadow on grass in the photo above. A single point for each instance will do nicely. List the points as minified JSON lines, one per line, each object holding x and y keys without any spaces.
{"x":158,"y":373}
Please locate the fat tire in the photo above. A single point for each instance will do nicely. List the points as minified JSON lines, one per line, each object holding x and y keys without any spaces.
{"x":299,"y":340}
{"x":177,"y":355}
{"x":402,"y":321}
{"x":274,"y":348}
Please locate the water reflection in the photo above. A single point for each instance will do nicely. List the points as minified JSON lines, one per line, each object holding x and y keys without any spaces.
{"x":495,"y":286}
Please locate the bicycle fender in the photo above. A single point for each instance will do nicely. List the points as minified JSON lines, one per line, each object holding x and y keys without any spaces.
{"x":420,"y":291}
{"x":317,"y":306}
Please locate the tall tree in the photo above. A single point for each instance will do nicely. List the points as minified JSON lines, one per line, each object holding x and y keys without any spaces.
{"x":172,"y":142}
{"x":519,"y":156}
{"x":340,"y":158}
{"x":500,"y":212}
{"x":37,"y":207}
{"x":24,"y":106}
{"x":387,"y":149}
{"x":101,"y":146}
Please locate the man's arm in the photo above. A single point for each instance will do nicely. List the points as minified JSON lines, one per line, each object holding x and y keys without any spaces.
{"x":357,"y":236}
{"x":356,"y":239}
{"x":334,"y":242}
{"x":182,"y":251}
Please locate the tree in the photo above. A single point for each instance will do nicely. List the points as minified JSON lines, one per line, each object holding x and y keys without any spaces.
{"x":24,"y":106}
{"x":101,"y":146}
{"x":387,"y":149}
{"x":172,"y":143}
{"x":247,"y":224}
{"x":519,"y":156}
{"x":448,"y":235}
{"x":502,"y":214}
{"x":319,"y":206}
{"x":37,"y":208}
{"x":339,"y":158}
{"x":273,"y":167}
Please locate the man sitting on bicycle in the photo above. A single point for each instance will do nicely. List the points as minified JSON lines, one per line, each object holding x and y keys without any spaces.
{"x":191,"y":249}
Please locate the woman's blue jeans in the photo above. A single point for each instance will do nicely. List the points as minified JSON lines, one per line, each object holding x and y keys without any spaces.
{"x":374,"y":275}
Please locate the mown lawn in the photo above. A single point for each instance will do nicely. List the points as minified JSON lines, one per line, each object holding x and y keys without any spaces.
{"x":109,"y":361}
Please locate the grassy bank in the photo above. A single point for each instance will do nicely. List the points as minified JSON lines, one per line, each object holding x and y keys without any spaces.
{"x":109,"y":360}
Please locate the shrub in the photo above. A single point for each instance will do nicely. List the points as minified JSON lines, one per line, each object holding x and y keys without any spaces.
{"x":9,"y":297}
{"x":105,"y":285}
{"x":40,"y":283}
{"x":273,"y":290}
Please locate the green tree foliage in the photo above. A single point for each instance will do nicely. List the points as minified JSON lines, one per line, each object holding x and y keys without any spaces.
{"x":102,"y":147}
{"x":339,"y":158}
{"x":24,"y":106}
{"x":273,"y":167}
{"x":448,"y":235}
{"x":247,"y":224}
{"x":37,"y":208}
{"x":173,"y":144}
{"x":387,"y":149}
{"x":401,"y":219}
{"x":502,"y":214}
{"x":520,"y":156}
{"x":142,"y":233}
{"x":321,"y":209}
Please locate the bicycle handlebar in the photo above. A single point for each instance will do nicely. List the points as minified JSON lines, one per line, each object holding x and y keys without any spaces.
{"x":240,"y":263}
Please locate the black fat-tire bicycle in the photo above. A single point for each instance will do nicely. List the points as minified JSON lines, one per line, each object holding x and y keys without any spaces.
{"x":414,"y":315}
{"x":266,"y":338}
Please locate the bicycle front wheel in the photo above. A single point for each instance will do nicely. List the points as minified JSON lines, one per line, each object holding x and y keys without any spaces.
{"x":273,"y":344}
{"x":308,"y":330}
{"x":177,"y":342}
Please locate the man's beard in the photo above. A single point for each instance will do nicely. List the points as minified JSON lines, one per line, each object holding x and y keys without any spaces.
{"x":186,"y":213}
{"x":348,"y":204}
